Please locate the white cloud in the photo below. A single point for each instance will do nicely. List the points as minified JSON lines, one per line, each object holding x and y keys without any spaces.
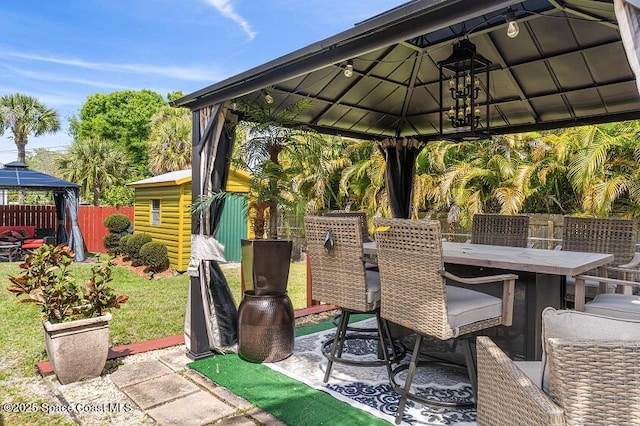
{"x":180,"y":73}
{"x":60,"y":79}
{"x":226,"y":9}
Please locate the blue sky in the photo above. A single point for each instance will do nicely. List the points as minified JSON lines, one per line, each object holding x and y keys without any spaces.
{"x":63,"y":51}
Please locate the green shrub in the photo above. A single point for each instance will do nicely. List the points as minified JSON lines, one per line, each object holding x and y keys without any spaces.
{"x":134,"y":244}
{"x":111,"y":242}
{"x":117,"y":223}
{"x":122,"y":246}
{"x":154,"y":255}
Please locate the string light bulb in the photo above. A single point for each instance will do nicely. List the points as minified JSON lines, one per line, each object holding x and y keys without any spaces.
{"x":268,"y":98}
{"x":512,"y":25}
{"x":348,"y":69}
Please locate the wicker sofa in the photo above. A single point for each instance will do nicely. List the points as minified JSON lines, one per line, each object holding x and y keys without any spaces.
{"x":589,"y":375}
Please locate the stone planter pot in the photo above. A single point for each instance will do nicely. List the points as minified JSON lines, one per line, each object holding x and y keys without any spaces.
{"x":78,"y":349}
{"x":265,"y":265}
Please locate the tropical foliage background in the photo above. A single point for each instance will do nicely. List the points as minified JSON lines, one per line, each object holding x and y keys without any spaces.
{"x":129,"y":135}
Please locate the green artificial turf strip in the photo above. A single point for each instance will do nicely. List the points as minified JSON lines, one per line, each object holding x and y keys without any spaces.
{"x":283,"y":397}
{"x":326,"y":325}
{"x":287,"y":399}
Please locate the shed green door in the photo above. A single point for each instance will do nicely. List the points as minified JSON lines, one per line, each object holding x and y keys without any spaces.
{"x":233,"y":227}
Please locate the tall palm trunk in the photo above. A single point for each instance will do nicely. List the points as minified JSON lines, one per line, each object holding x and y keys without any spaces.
{"x":22,"y":157}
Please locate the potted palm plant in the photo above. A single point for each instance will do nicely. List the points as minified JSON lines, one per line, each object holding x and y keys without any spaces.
{"x":75,"y":317}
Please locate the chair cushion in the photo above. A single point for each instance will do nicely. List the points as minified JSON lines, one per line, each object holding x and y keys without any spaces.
{"x":564,"y":324}
{"x":466,"y":306}
{"x":532,"y":369}
{"x":373,"y":286}
{"x":624,"y":306}
{"x":591,"y":288}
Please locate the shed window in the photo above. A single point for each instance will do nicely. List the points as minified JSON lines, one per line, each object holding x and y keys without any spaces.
{"x":155,"y":212}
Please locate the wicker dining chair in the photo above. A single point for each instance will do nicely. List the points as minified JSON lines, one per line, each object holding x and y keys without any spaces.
{"x":415,"y":295}
{"x":339,"y":277}
{"x":602,"y":235}
{"x":348,"y":213}
{"x":370,"y":260}
{"x":610,"y":304}
{"x":500,"y":230}
{"x":589,"y":375}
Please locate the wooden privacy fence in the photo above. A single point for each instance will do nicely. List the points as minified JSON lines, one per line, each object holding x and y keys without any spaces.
{"x":37,"y":216}
{"x":90,"y":219}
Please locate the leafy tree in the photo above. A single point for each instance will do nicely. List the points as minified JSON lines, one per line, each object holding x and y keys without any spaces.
{"x":24,"y":115}
{"x":96,"y":165}
{"x":170,"y":140}
{"x":123,"y":117}
{"x":40,"y":159}
{"x":117,"y":196}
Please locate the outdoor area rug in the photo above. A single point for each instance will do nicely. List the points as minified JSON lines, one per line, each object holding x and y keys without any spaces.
{"x":292,"y":390}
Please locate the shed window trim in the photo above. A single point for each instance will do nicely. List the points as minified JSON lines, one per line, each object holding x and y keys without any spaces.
{"x":155,"y":212}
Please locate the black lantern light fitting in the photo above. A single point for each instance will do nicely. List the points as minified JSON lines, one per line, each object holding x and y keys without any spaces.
{"x":465,"y":74}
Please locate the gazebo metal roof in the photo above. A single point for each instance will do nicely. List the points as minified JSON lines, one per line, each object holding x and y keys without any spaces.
{"x":16,"y":175}
{"x":566,"y":67}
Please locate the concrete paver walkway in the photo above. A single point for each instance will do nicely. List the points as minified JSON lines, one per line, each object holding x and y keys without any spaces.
{"x":168,"y":393}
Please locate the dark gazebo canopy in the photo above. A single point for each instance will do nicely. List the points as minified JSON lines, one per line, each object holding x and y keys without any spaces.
{"x":16,"y":175}
{"x":567,"y":66}
{"x":573,"y":62}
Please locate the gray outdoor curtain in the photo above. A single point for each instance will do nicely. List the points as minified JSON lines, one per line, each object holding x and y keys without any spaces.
{"x":61,"y":231}
{"x":76,"y":242}
{"x":628,"y":16}
{"x":211,"y":320}
{"x":400,"y":158}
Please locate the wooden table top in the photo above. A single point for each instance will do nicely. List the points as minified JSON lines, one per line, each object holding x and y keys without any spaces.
{"x":541,"y":261}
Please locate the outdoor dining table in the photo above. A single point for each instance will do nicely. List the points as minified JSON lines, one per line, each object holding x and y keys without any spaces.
{"x":541,"y":277}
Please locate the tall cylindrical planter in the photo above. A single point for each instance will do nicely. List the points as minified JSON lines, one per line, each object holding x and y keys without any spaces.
{"x":265,"y":265}
{"x":266,"y":331}
{"x":265,"y":316}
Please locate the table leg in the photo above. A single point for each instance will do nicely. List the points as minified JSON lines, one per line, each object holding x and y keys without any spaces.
{"x":545,"y":292}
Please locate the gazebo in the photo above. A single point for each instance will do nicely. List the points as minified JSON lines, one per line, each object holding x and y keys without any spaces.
{"x":427,"y":70}
{"x":17,"y":176}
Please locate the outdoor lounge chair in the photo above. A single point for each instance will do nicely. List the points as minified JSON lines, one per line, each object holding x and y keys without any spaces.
{"x":500,"y":230}
{"x":339,"y":277}
{"x":415,"y":295}
{"x":589,"y":375}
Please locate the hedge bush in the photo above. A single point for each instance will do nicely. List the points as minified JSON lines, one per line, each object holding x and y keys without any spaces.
{"x":154,"y":255}
{"x":134,"y":244}
{"x":111,"y":242}
{"x":117,"y":223}
{"x":122,"y":246}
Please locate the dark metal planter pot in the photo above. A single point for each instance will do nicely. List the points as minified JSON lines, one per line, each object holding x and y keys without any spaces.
{"x":266,"y":327}
{"x":265,"y":265}
{"x":265,"y":316}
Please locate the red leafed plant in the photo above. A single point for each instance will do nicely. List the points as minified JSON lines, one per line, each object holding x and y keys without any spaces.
{"x":48,"y":281}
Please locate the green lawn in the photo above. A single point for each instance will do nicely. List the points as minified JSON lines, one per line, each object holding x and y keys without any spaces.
{"x":155,"y":309}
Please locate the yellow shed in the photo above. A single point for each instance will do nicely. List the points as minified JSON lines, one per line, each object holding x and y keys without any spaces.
{"x":162,"y":209}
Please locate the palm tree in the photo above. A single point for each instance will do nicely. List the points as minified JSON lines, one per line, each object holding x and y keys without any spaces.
{"x":266,"y":137}
{"x":96,"y":165}
{"x":170,"y":140}
{"x":604,"y":168}
{"x":25,"y":115}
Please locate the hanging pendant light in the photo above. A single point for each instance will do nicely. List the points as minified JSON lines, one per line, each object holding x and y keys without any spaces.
{"x":512,"y":25}
{"x":464,"y":89}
